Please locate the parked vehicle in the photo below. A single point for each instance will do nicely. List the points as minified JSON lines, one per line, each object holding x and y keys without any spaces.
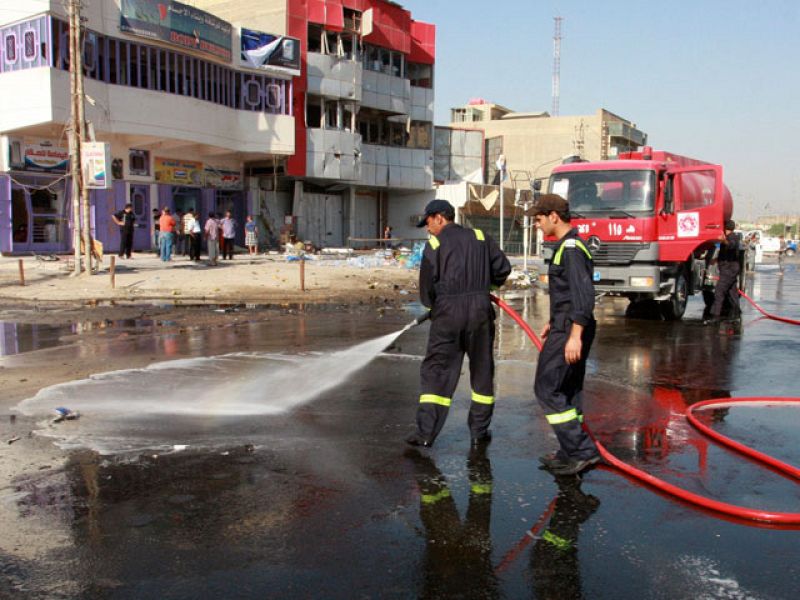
{"x":649,"y":218}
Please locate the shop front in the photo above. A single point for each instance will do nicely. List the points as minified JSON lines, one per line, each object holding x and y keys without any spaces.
{"x":35,"y":203}
{"x":189,"y":185}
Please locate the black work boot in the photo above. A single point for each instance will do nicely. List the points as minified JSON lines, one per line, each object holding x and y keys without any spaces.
{"x":554,"y":460}
{"x":481,"y":441}
{"x":577,"y":465}
{"x":417,"y":439}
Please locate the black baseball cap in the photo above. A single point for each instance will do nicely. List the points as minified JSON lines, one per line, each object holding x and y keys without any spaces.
{"x":547,"y":203}
{"x":436,"y":207}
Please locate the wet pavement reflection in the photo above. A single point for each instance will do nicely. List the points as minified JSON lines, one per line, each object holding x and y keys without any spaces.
{"x":325,"y":501}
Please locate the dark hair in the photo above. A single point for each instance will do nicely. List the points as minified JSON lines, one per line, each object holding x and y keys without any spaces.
{"x":129,"y":205}
{"x":211,"y":215}
{"x":564,"y":215}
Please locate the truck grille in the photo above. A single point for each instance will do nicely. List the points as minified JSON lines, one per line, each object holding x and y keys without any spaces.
{"x":610,"y":253}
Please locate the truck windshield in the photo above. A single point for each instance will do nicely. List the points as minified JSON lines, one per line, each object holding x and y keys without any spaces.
{"x":613,"y":194}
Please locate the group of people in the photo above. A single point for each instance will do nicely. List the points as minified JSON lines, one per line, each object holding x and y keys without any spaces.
{"x":183,"y":233}
{"x":459,"y":267}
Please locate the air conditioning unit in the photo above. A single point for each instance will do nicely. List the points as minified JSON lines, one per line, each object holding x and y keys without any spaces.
{"x":15,"y":158}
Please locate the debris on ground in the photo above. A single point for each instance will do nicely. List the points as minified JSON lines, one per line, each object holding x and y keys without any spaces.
{"x":16,"y":438}
{"x":65,"y":414}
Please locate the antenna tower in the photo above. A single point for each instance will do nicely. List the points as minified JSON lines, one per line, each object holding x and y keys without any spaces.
{"x":556,"y":64}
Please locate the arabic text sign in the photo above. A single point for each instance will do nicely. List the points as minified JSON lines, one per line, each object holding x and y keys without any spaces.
{"x":177,"y":24}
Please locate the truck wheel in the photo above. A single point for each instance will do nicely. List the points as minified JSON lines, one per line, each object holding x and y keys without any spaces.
{"x":673,"y":309}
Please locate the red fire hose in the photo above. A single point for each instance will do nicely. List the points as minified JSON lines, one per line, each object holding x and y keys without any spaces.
{"x":766,"y":314}
{"x":673,"y":490}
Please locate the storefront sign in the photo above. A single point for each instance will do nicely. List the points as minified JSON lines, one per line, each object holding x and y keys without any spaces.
{"x":182,"y":172}
{"x":177,"y":24}
{"x":223,"y":179}
{"x":267,"y":51}
{"x":44,"y":156}
{"x":96,"y":165}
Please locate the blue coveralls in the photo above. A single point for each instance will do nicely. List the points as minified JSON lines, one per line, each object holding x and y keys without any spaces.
{"x":558,"y":385}
{"x":459,"y":266}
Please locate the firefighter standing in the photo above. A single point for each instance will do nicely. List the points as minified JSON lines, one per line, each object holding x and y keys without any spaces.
{"x":728,"y":265}
{"x":459,"y":266}
{"x":567,"y":339}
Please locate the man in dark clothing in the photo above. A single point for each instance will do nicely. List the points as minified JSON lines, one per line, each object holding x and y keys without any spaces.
{"x":728,"y":265}
{"x":126,"y":221}
{"x":459,"y":266}
{"x":567,"y":338}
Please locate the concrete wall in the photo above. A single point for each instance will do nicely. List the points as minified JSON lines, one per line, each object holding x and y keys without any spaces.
{"x":403,"y":211}
{"x":265,"y":15}
{"x":333,"y":154}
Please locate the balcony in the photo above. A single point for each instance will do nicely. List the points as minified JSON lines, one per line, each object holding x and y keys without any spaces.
{"x":333,"y":154}
{"x":386,"y":92}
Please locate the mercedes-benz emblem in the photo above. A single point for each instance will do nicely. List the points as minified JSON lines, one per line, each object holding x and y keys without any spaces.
{"x":593,"y":243}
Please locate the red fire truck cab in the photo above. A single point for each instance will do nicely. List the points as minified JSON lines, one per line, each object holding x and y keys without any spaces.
{"x":648,"y":218}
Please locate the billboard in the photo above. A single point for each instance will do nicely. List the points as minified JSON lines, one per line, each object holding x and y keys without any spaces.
{"x":44,"y":156}
{"x":177,"y":24}
{"x":267,"y":51}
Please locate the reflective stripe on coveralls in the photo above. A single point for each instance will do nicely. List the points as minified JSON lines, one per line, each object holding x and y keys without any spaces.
{"x":563,"y":417}
{"x":434,"y":241}
{"x":570,"y":243}
{"x":557,"y":541}
{"x":481,"y":488}
{"x":481,"y":399}
{"x":434,"y":399}
{"x":434,"y":498}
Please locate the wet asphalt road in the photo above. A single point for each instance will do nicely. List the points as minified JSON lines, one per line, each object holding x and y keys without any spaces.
{"x":325,"y":501}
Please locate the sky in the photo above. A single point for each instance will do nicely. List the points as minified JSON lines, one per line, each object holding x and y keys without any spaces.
{"x":711,"y":79}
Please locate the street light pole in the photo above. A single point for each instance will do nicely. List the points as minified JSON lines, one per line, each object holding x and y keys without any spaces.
{"x":501,"y":166}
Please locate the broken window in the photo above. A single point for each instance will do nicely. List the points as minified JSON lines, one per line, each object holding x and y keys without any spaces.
{"x":314,"y":37}
{"x":313,"y":112}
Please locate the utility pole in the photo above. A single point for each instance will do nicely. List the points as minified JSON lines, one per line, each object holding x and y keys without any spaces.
{"x":81,"y":104}
{"x":75,"y":70}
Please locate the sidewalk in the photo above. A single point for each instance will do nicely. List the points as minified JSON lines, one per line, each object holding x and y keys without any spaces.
{"x":251,"y":279}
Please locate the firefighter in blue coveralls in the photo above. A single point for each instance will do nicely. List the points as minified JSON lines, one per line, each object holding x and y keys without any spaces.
{"x":567,"y":339}
{"x":459,"y":266}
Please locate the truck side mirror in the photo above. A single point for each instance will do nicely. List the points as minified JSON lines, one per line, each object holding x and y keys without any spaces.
{"x":536,"y":187}
{"x":669,"y":198}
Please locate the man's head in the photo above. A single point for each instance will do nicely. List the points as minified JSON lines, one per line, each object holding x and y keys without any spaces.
{"x":438,"y":213}
{"x":228,"y":214}
{"x":551,"y":211}
{"x":730,"y":225}
{"x":128,"y":207}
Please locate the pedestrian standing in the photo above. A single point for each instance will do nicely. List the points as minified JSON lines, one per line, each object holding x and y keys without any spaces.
{"x":166,"y":237}
{"x":781,"y":253}
{"x":185,"y":226}
{"x":459,"y":266}
{"x":195,"y":237}
{"x":387,"y":237}
{"x":728,"y":266}
{"x":568,"y":337}
{"x":211,"y":231}
{"x":228,"y":235}
{"x":156,"y":245}
{"x":126,"y":221}
{"x":251,"y":235}
{"x":180,"y":234}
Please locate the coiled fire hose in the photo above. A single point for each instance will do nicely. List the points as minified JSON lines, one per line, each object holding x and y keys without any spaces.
{"x":750,"y":514}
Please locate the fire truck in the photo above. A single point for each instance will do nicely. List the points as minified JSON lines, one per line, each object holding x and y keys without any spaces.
{"x":648,"y":218}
